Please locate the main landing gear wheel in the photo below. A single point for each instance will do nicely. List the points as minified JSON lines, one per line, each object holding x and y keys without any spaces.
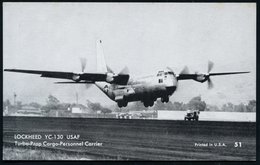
{"x":151,"y":103}
{"x":122,"y":104}
{"x":165,"y":99}
{"x":147,"y":104}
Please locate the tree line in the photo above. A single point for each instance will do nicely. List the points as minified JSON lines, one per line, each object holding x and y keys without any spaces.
{"x":196,"y":103}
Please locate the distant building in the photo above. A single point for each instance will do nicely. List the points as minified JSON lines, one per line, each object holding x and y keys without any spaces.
{"x":145,"y":114}
{"x":77,"y":110}
{"x":80,"y":109}
{"x":58,"y":113}
{"x":28,"y":111}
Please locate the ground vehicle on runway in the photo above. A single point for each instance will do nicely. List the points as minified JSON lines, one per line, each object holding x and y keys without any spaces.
{"x":121,"y":89}
{"x":192,"y":115}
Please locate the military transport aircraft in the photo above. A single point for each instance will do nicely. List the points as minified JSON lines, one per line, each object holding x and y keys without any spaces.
{"x":121,"y":89}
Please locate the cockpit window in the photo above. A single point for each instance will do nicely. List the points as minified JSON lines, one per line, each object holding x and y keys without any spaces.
{"x":162,"y":73}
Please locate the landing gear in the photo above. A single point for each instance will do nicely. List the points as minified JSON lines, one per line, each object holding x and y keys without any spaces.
{"x":148,"y":103}
{"x":122,"y":104}
{"x":165,"y":99}
{"x":151,"y":103}
{"x":119,"y":105}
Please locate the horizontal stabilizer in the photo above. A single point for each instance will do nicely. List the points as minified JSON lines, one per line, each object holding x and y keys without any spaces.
{"x":73,"y":82}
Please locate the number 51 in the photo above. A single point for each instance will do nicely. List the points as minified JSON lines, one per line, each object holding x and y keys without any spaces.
{"x":238,"y":144}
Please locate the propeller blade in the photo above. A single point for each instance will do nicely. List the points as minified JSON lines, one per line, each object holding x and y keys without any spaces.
{"x":124,"y":71}
{"x":83,"y":62}
{"x":210,"y":84}
{"x":110,"y":70}
{"x":169,"y":68}
{"x":185,"y":70}
{"x":210,"y":66}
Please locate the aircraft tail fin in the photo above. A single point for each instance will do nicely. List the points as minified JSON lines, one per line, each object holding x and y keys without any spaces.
{"x":101,"y":63}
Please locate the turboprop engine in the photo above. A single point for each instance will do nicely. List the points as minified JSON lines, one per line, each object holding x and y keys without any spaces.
{"x":205,"y":77}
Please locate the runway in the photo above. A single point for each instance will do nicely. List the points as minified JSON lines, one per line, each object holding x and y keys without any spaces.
{"x":135,"y":139}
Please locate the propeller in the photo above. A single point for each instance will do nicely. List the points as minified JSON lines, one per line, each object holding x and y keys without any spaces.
{"x":83,"y":62}
{"x":124,"y":71}
{"x":185,"y":70}
{"x":210,"y":83}
{"x":202,"y":77}
{"x":110,"y":70}
{"x":210,"y":66}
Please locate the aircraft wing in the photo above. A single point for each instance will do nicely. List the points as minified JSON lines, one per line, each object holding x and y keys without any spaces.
{"x":226,"y":73}
{"x":63,"y":75}
{"x":121,"y":79}
{"x":195,"y":76}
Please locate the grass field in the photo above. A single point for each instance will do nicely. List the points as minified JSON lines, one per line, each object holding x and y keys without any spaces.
{"x":140,"y":139}
{"x":15,"y":153}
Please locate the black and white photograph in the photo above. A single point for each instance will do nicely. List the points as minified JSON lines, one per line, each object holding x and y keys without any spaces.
{"x":129,"y":81}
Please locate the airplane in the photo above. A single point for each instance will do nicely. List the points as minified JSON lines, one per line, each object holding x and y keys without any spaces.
{"x":121,"y":89}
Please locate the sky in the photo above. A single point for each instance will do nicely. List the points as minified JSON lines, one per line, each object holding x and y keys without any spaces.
{"x":146,"y":37}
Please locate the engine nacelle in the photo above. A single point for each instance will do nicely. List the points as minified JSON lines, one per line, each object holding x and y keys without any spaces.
{"x":110,"y":77}
{"x":76,"y":77}
{"x":201,"y":78}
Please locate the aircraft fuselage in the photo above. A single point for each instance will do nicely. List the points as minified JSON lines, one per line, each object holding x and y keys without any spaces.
{"x":146,"y":89}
